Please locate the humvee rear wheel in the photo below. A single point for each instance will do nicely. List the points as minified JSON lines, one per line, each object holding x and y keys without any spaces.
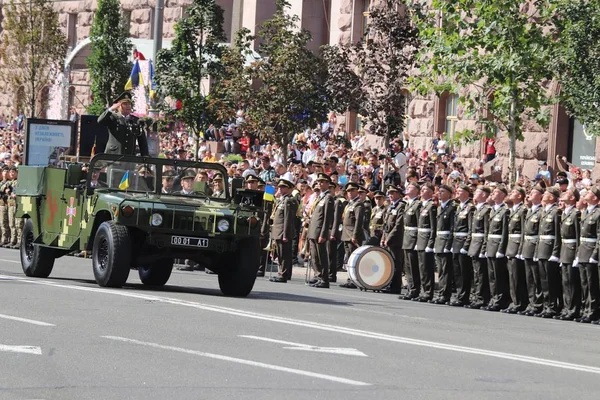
{"x":156,"y":274}
{"x":238,"y":277}
{"x":111,"y":254}
{"x":37,"y":261}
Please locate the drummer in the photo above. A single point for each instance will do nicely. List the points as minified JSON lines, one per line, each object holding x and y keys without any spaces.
{"x":352,"y":224}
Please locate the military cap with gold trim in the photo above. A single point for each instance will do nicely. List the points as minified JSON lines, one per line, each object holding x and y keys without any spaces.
{"x":379,"y":194}
{"x":217,"y":177}
{"x":124,"y":97}
{"x":322,"y":177}
{"x":351,"y":186}
{"x":284,"y":183}
{"x":251,"y":178}
{"x":188,"y":174}
{"x":362,"y":189}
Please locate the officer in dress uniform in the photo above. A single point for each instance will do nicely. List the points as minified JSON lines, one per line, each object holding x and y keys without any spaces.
{"x":516,"y":267}
{"x":124,"y":128}
{"x":283,"y":229}
{"x":15,"y":224}
{"x":530,"y":240}
{"x":352,"y":223}
{"x":4,"y":225}
{"x":497,"y":240}
{"x":336,"y":233}
{"x":569,"y":234}
{"x":426,"y":234}
{"x":547,"y":252}
{"x":393,"y":232}
{"x":443,"y":244}
{"x":377,"y":219}
{"x":187,"y":183}
{"x":462,"y":263}
{"x":477,"y":247}
{"x":319,"y":232}
{"x":410,"y":221}
{"x":587,"y":257}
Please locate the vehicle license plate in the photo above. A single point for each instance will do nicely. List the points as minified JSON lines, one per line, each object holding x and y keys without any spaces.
{"x":189,"y":241}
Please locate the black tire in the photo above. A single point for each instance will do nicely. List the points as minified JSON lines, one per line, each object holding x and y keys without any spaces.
{"x":237,"y":279}
{"x":111,"y":254}
{"x":157,"y":274}
{"x":37,"y":261}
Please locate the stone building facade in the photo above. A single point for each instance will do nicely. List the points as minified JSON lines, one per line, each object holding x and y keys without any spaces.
{"x":330,"y":22}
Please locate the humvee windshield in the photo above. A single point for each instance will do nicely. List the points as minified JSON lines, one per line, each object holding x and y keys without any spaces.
{"x":160,"y":176}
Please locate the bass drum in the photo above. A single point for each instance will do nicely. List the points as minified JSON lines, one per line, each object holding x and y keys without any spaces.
{"x":371,"y":267}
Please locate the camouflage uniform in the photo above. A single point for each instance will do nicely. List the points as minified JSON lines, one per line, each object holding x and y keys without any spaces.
{"x":4,"y":226}
{"x":15,"y":224}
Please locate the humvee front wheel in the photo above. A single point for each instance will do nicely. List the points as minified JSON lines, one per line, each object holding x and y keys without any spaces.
{"x":111,"y":254}
{"x":156,"y":274}
{"x":37,"y":261}
{"x":238,"y":277}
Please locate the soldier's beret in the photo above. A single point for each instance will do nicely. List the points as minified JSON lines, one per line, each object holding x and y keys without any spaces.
{"x":485,"y":189}
{"x":429,"y":186}
{"x":554,"y":191}
{"x":575,"y":193}
{"x":188,"y":174}
{"x":124,"y":97}
{"x":284,"y":183}
{"x":447,"y":188}
{"x":520,"y":190}
{"x":464,"y":187}
{"x":379,"y":194}
{"x":322,"y":177}
{"x":252,"y":178}
{"x":415,"y":184}
{"x":539,"y":188}
{"x":351,"y":186}
{"x":502,"y":188}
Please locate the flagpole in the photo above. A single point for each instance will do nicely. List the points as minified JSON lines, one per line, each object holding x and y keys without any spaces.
{"x":158,"y":26}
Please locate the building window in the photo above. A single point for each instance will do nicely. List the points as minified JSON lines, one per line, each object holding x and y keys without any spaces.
{"x":72,"y":30}
{"x":152,"y":16}
{"x":451,"y":115}
{"x":365,"y":19}
{"x":126,"y":20}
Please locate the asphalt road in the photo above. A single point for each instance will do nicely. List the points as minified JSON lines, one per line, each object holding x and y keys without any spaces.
{"x":66,"y":338}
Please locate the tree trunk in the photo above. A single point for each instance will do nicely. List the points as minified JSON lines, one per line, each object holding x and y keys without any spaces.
{"x":512,"y":141}
{"x":386,"y":146}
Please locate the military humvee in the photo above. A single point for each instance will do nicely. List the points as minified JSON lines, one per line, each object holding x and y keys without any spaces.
{"x":137,"y":212}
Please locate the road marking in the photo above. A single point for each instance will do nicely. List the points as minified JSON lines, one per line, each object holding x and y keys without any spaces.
{"x":10,"y":261}
{"x":241,"y":361}
{"x":21,"y":349}
{"x":307,"y":347}
{"x":320,"y":326}
{"x":29,"y":321}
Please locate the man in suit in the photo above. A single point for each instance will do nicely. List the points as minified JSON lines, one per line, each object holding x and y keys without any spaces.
{"x":393,"y":231}
{"x":477,"y":247}
{"x":530,"y":240}
{"x":319,"y":231}
{"x":124,"y":129}
{"x":426,"y":233}
{"x":497,"y":240}
{"x":410,"y":221}
{"x":547,"y":252}
{"x":516,"y":268}
{"x":587,"y":257}
{"x":461,"y":240}
{"x":569,"y":235}
{"x":283,"y":229}
{"x":443,"y":244}
{"x":336,"y":233}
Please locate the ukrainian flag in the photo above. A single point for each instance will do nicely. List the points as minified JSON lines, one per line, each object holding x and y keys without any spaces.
{"x":135,"y":78}
{"x":152,"y":84}
{"x":269,"y":193}
{"x":124,"y":181}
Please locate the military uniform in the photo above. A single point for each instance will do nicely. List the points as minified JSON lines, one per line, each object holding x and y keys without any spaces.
{"x":497,"y":240}
{"x":265,"y":237}
{"x":442,"y":249}
{"x":368,"y":207}
{"x":4,"y":225}
{"x":587,"y":260}
{"x":426,"y":234}
{"x":547,"y":252}
{"x":532,"y":276}
{"x":463,"y":265}
{"x":393,"y":232}
{"x":376,"y":224}
{"x":410,"y":220}
{"x":571,"y":283}
{"x":283,"y":227}
{"x":477,"y":248}
{"x":334,"y":241}
{"x":352,"y":225}
{"x":320,"y":225}
{"x":124,"y":132}
{"x":15,"y":224}
{"x":516,"y":266}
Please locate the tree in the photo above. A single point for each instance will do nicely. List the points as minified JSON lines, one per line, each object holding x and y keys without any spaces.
{"x":32,"y":49}
{"x":577,"y":59}
{"x":371,"y":76}
{"x":194,"y":56}
{"x":109,"y":59}
{"x":498,"y":52}
{"x":292,"y":94}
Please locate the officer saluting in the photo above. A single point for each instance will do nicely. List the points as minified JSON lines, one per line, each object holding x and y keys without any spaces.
{"x":283,"y":230}
{"x":123,"y":128}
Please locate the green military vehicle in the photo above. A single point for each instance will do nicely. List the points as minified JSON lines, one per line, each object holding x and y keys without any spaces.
{"x":144,"y":213}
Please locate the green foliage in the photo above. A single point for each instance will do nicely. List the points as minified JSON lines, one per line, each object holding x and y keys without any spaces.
{"x":577,"y":59}
{"x":194,"y":56}
{"x":292,"y":94}
{"x":234,"y":158}
{"x":109,"y":59}
{"x":496,"y":54}
{"x":32,"y":49}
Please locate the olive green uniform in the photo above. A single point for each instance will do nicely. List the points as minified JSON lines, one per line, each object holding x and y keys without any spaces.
{"x":4,"y":225}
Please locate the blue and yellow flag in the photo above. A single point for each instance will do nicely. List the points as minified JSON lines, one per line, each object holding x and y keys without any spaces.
{"x":269,"y":193}
{"x":124,"y":181}
{"x":135,"y":78}
{"x":152,"y":85}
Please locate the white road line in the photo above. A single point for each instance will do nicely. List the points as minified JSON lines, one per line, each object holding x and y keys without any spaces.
{"x":323,"y":327}
{"x":28,"y":321}
{"x":241,"y":361}
{"x":21,"y":349}
{"x":10,"y":261}
{"x":346,"y":351}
